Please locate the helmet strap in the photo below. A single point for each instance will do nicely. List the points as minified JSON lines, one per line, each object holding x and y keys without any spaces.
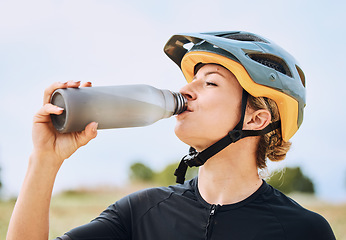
{"x":196,"y":159}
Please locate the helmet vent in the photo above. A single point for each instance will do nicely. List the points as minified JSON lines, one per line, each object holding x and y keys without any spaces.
{"x":188,"y":46}
{"x":301,"y":75}
{"x":243,"y":37}
{"x":272,"y":62}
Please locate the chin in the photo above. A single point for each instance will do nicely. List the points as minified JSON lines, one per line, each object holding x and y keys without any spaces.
{"x":183,"y":134}
{"x":179,"y":132}
{"x":191,"y":140}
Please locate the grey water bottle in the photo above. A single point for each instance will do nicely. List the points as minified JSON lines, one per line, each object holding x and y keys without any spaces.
{"x":114,"y":106}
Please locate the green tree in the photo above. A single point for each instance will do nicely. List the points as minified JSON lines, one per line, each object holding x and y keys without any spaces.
{"x":141,"y":172}
{"x":291,"y":180}
{"x":166,"y":176}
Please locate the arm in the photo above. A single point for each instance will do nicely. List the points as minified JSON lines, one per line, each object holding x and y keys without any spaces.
{"x":30,"y":217}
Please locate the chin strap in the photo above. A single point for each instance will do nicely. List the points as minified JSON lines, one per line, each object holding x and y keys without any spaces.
{"x":196,"y":159}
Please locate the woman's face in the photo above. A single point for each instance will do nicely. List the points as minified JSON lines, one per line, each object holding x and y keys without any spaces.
{"x":214,"y":100}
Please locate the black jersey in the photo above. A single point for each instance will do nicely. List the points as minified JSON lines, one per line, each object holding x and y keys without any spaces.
{"x":179,"y":212}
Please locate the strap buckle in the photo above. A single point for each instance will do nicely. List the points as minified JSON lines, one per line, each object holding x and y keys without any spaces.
{"x":192,"y":159}
{"x":236,"y":135}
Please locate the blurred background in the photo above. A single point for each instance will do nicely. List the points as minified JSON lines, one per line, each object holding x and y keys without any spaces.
{"x":113,"y":42}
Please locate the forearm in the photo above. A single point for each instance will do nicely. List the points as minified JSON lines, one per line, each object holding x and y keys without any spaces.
{"x":30,"y":217}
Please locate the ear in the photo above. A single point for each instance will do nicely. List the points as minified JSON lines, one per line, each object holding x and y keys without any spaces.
{"x":257,"y":120}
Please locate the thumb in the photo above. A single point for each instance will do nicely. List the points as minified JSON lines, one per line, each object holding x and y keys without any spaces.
{"x":89,"y":133}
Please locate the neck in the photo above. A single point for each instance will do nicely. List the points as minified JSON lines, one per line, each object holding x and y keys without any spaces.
{"x":231,"y":175}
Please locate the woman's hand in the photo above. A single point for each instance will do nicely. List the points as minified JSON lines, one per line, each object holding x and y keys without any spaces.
{"x":30,"y":217}
{"x":47,"y":141}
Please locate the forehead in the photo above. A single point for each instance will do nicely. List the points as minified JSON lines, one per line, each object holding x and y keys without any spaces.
{"x":200,"y":65}
{"x":203,"y":69}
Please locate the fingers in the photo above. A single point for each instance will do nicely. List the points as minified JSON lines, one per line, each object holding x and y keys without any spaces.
{"x":43,"y":115}
{"x":86,"y":84}
{"x":89,"y":133}
{"x":49,"y":91}
{"x":70,"y":84}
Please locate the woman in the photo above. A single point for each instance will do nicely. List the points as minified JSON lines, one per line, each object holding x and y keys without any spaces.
{"x":245,"y":101}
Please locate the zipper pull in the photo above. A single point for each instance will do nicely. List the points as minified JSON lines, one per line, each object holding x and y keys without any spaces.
{"x":212,"y":210}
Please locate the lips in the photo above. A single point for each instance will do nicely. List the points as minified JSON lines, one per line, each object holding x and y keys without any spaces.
{"x":187,"y":111}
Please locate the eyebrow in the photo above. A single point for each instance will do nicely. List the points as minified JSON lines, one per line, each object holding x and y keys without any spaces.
{"x":210,"y":73}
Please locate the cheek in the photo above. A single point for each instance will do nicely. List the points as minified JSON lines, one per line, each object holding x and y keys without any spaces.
{"x":210,"y":122}
{"x":222,"y":121}
{"x":224,"y":114}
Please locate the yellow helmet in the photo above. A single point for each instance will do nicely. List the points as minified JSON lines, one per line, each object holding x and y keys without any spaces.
{"x":262,"y":68}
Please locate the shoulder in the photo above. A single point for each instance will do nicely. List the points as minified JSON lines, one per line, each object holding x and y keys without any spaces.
{"x":157,"y":194}
{"x":121,"y":215}
{"x":296,"y":220}
{"x":142,"y":201}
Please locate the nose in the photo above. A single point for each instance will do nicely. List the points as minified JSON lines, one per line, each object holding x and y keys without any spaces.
{"x":189,"y":91}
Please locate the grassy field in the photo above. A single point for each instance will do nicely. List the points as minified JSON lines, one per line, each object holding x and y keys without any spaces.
{"x":72,"y":209}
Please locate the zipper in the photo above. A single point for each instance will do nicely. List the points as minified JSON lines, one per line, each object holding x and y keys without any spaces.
{"x":210,"y":224}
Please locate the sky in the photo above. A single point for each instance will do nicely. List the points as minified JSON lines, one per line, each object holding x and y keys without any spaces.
{"x":113,"y":42}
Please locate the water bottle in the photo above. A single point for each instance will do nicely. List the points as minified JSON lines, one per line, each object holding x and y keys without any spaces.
{"x":114,"y":106}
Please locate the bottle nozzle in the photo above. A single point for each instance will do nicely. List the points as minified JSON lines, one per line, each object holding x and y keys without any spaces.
{"x":180,"y":103}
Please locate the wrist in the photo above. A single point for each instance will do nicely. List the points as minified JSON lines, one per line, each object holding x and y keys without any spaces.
{"x":45,"y":160}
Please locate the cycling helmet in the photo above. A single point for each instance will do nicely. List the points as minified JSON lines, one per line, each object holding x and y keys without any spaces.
{"x":262,"y":68}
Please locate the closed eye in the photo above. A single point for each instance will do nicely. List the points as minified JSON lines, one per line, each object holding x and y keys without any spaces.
{"x":211,"y":84}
